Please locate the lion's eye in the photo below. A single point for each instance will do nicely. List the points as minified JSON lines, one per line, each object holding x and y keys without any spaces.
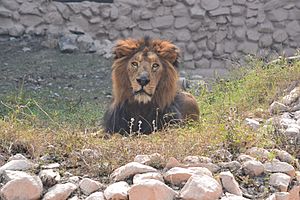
{"x":134,"y":65}
{"x":155,"y":66}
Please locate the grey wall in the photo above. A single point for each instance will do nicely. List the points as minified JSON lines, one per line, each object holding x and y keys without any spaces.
{"x":211,"y":33}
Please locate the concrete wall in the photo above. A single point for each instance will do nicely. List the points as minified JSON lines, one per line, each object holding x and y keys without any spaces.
{"x":211,"y":33}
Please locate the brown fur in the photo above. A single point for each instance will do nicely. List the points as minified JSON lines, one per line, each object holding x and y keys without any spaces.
{"x":160,"y":97}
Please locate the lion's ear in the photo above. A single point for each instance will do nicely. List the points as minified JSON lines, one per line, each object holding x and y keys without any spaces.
{"x":167,"y":50}
{"x":125,"y":48}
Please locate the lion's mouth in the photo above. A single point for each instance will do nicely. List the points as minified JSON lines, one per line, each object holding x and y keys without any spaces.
{"x":142,"y":91}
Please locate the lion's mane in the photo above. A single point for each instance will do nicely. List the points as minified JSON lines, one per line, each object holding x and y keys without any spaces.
{"x":126,"y":115}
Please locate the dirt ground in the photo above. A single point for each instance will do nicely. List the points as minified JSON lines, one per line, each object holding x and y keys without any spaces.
{"x":25,"y":65}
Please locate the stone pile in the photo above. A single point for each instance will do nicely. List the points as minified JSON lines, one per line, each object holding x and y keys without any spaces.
{"x":211,"y":33}
{"x":150,"y":177}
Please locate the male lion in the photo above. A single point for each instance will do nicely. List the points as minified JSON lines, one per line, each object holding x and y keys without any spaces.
{"x":145,"y":90}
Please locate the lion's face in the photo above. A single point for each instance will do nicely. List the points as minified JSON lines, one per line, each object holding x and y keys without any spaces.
{"x":144,"y":72}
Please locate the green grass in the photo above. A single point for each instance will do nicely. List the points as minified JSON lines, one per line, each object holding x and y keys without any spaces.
{"x":62,"y":129}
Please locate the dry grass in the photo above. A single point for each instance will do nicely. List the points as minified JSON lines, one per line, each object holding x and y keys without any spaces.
{"x":221,"y":125}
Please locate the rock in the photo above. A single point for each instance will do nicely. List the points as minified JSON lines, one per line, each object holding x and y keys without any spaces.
{"x":153,"y":160}
{"x":49,"y":177}
{"x":280,"y":181}
{"x":243,"y":158}
{"x":123,"y":23}
{"x":130,"y":169}
{"x":86,"y":44}
{"x":17,"y":156}
{"x":292,"y":132}
{"x":253,"y":35}
{"x":96,"y":196}
{"x":163,"y":22}
{"x":89,"y":186}
{"x":293,"y":28}
{"x":231,"y":165}
{"x":253,"y":167}
{"x":183,"y":35}
{"x":201,"y":188}
{"x":265,"y":41}
{"x":151,"y":190}
{"x":277,"y":15}
{"x":10,"y":4}
{"x":259,"y":153}
{"x":292,"y":97}
{"x":229,"y":196}
{"x":230,"y":184}
{"x":67,"y":43}
{"x":197,"y":12}
{"x":280,"y":36}
{"x":294,"y":193}
{"x":279,"y":196}
{"x":16,"y":31}
{"x":284,"y":156}
{"x":28,"y":187}
{"x":266,"y":27}
{"x":202,"y":63}
{"x":117,"y":191}
{"x":277,"y":166}
{"x":181,"y":22}
{"x":172,"y":162}
{"x":220,"y":11}
{"x":180,"y":10}
{"x":149,"y":175}
{"x":21,"y":165}
{"x":178,"y":175}
{"x":252,"y":123}
{"x":210,"y":4}
{"x":169,"y":2}
{"x":51,"y":166}
{"x":30,"y":8}
{"x":31,"y":20}
{"x":60,"y":191}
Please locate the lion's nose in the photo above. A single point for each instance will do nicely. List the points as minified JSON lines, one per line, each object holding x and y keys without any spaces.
{"x":143,"y":80}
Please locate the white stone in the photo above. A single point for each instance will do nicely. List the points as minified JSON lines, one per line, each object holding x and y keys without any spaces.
{"x":253,"y":167}
{"x":201,"y":188}
{"x":117,"y":191}
{"x":154,"y":159}
{"x":21,"y":165}
{"x":130,"y":169}
{"x":284,"y":156}
{"x":89,"y":186}
{"x":172,"y":162}
{"x":252,"y":123}
{"x":60,"y":191}
{"x":18,"y":156}
{"x":280,"y":181}
{"x":49,"y":177}
{"x":51,"y":166}
{"x":21,"y":185}
{"x":178,"y":175}
{"x":229,"y":196}
{"x":96,"y":196}
{"x":279,"y":196}
{"x":149,"y":175}
{"x":230,"y":184}
{"x":294,"y":193}
{"x":151,"y":190}
{"x":277,"y":166}
{"x":292,"y":97}
{"x":259,"y":153}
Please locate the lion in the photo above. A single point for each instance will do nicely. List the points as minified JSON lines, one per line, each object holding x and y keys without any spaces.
{"x":146,"y":96}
